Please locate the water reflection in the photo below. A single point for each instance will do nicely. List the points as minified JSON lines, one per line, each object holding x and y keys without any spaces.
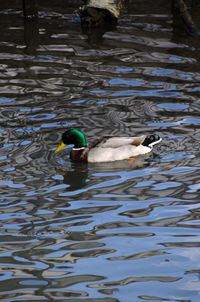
{"x":31,"y":35}
{"x":75,"y":178}
{"x":116,"y":231}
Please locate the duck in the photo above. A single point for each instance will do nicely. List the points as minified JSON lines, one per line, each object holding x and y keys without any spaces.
{"x":106,"y":148}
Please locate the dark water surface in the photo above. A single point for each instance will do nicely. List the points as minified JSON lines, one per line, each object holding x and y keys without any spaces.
{"x":113,"y":231}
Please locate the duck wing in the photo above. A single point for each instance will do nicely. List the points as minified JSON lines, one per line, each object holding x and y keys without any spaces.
{"x":119,"y":141}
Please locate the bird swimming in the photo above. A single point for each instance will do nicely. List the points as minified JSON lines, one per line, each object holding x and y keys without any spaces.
{"x":106,"y":148}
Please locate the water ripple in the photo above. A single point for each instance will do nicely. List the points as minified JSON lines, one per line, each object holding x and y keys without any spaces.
{"x":107,"y":232}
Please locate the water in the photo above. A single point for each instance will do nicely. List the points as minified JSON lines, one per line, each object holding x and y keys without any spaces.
{"x":99,"y":232}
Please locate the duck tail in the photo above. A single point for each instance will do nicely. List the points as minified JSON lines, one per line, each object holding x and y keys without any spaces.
{"x":151,"y":140}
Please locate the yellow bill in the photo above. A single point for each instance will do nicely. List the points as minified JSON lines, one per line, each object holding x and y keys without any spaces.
{"x":60,"y":147}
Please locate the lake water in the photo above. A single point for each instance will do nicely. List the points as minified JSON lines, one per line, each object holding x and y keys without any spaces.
{"x":99,"y":232}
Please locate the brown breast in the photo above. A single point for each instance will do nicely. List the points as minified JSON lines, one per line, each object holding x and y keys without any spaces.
{"x":79,"y":155}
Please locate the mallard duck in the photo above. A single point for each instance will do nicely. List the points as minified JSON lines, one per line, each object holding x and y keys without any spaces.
{"x":106,"y":148}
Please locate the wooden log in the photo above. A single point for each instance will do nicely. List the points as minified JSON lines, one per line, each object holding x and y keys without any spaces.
{"x":30,"y":8}
{"x":184,"y":13}
{"x":96,"y":12}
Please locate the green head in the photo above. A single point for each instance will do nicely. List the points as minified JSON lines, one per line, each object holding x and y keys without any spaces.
{"x":72,"y":137}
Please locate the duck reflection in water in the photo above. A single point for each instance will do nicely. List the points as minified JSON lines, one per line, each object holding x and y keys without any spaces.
{"x":75,"y":178}
{"x":80,"y":175}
